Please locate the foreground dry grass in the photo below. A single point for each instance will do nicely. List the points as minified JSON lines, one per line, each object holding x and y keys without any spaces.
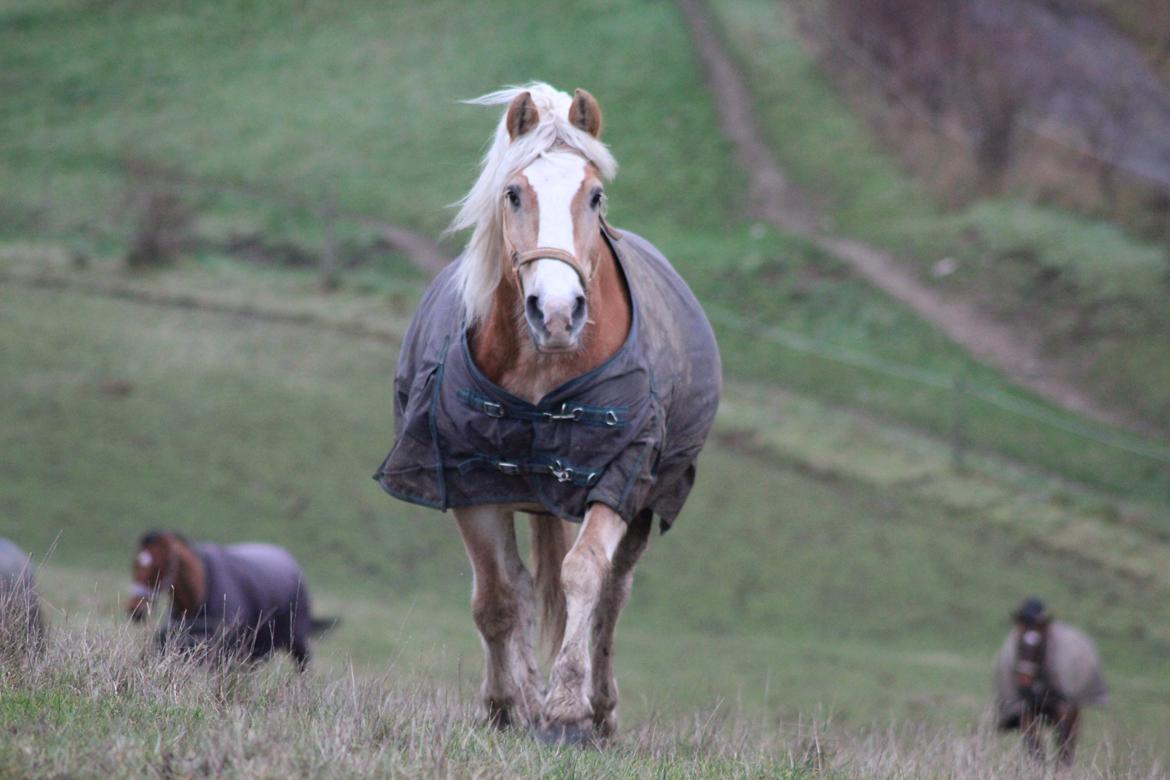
{"x":97,"y":702}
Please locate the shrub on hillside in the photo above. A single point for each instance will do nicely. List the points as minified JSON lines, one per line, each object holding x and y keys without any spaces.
{"x":162,"y":228}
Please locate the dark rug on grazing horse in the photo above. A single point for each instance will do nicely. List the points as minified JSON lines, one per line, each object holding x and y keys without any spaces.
{"x":256,"y":602}
{"x":625,"y":434}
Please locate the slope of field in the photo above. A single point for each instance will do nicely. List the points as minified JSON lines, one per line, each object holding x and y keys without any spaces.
{"x":1089,"y":296}
{"x":358,"y":109}
{"x":826,"y":563}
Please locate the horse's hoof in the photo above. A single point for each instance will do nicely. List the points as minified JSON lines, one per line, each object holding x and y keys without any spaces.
{"x":569,"y":734}
{"x":499,"y":715}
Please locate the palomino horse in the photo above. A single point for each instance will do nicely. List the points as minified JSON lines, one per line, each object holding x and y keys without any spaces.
{"x":563,"y":370}
{"x":21,"y":626}
{"x":240,"y":601}
{"x":1045,"y":672}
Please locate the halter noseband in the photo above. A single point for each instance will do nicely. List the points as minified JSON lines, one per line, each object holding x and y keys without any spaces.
{"x":521,"y":259}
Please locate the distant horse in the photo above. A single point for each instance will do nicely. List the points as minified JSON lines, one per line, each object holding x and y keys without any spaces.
{"x":21,"y":625}
{"x":562,"y":369}
{"x":241,"y":601}
{"x":1045,"y":672}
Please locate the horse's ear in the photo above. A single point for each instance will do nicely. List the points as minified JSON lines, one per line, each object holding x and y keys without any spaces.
{"x":585,"y":114}
{"x":522,"y":115}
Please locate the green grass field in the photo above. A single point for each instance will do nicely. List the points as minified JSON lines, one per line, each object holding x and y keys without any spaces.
{"x":868,"y":583}
{"x":831,"y":564}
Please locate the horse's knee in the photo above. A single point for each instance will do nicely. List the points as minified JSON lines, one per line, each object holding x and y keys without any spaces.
{"x":495,"y":617}
{"x":582,"y":572}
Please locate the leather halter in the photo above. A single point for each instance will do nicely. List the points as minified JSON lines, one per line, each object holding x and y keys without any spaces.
{"x":521,"y":259}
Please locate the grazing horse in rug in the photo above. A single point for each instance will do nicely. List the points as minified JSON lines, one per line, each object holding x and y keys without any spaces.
{"x":21,"y":625}
{"x":561,"y":369}
{"x":1045,"y":672}
{"x":240,"y":601}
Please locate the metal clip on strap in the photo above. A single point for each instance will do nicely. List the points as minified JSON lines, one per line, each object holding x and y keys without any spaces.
{"x":565,"y":413}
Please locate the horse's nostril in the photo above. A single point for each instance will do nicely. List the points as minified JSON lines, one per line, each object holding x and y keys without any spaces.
{"x":578,"y":309}
{"x":532,"y":304}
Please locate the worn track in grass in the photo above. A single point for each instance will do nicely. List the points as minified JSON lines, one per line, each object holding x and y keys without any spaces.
{"x":777,"y":201}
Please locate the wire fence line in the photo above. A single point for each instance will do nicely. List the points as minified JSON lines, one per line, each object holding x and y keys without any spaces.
{"x":957,"y":383}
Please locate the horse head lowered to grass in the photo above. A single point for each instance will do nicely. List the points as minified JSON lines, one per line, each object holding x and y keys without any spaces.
{"x":236,"y":601}
{"x":561,"y":369}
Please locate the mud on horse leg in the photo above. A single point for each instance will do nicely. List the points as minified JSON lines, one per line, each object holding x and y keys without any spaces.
{"x":503,"y":609}
{"x":615,"y":593}
{"x":568,"y":714}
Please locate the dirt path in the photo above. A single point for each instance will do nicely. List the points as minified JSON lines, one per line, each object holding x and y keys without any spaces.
{"x":776,"y":200}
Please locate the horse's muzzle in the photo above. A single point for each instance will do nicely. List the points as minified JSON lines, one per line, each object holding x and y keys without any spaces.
{"x":556,"y":326}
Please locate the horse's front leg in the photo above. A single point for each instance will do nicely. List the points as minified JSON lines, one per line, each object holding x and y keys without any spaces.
{"x":614,"y":595}
{"x":1067,"y":728}
{"x":502,"y":606}
{"x":567,"y":709}
{"x":1030,"y":724}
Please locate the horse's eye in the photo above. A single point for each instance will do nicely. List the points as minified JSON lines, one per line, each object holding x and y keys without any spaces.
{"x":595,"y":201}
{"x":513,"y":197}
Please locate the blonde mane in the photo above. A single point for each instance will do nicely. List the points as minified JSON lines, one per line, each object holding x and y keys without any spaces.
{"x":480,"y":269}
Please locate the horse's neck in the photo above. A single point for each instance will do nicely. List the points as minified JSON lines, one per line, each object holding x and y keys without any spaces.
{"x":503,"y":349}
{"x":190,"y":585}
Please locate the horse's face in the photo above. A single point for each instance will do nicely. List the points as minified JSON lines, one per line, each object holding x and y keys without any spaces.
{"x":553,"y":225}
{"x":148,"y":571}
{"x":552,"y":211}
{"x":1030,"y":651}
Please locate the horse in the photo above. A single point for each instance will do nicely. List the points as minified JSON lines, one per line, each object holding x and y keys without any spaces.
{"x":559,"y":368}
{"x":1045,"y":672}
{"x":21,"y":625}
{"x":239,"y":601}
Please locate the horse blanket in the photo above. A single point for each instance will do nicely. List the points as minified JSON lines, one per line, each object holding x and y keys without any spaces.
{"x":256,"y":601}
{"x":20,"y":607}
{"x":1071,"y":668}
{"x":625,"y":434}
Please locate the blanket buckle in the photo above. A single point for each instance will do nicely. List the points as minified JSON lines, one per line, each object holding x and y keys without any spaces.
{"x":561,"y":472}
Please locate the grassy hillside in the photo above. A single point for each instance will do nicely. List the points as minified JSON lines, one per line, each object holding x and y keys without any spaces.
{"x":831,"y":563}
{"x":313,"y":105}
{"x":866,"y":581}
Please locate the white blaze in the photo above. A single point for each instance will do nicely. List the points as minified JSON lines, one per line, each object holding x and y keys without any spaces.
{"x":555,"y":177}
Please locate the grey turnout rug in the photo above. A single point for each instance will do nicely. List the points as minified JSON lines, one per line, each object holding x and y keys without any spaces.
{"x":625,"y":434}
{"x":1071,"y":666}
{"x":255,"y":595}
